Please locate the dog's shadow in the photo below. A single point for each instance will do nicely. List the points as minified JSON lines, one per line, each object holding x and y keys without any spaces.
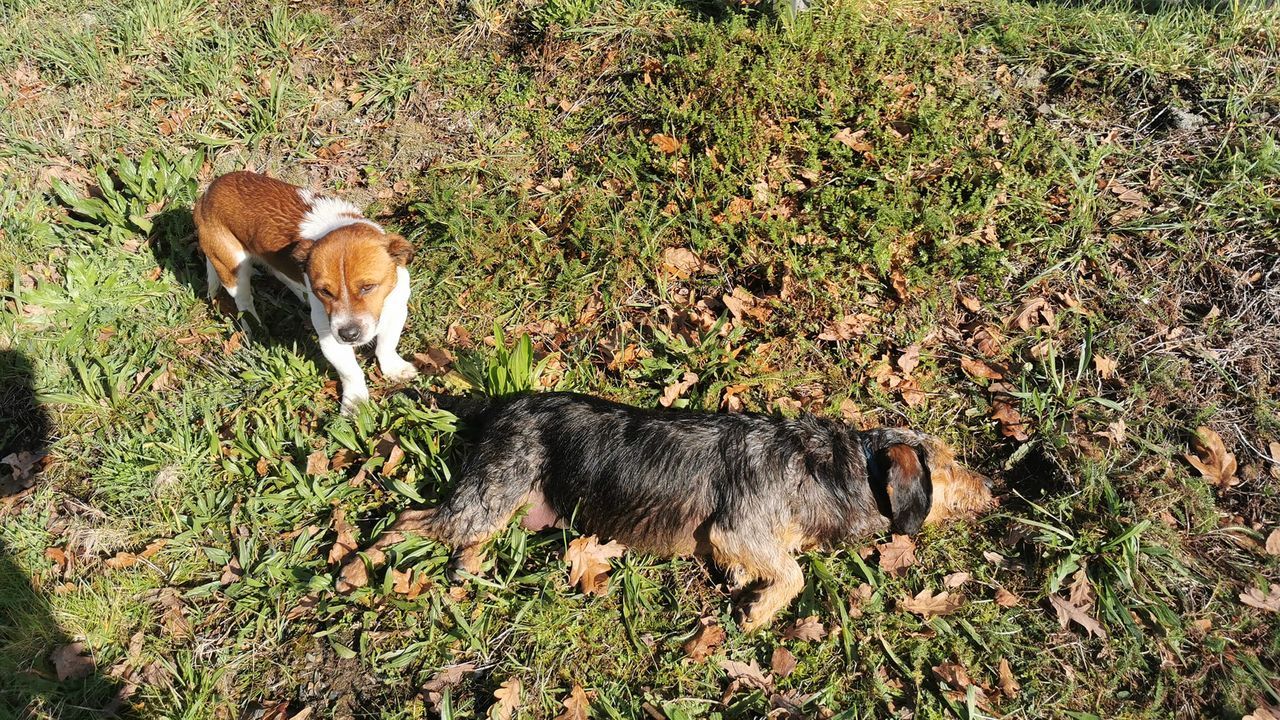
{"x":286,"y":321}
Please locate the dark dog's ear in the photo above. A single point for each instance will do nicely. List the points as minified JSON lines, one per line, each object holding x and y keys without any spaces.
{"x":399,"y":249}
{"x":909,"y":493}
{"x":301,"y":250}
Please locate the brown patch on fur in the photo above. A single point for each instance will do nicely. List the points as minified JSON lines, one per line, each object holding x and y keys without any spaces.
{"x":250,"y":213}
{"x":957,"y":491}
{"x":352,"y":270}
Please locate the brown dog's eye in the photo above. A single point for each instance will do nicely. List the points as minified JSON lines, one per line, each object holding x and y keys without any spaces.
{"x":366,"y":289}
{"x":324,"y":293}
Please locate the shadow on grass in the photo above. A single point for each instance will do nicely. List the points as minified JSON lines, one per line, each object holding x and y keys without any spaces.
{"x":29,"y":634}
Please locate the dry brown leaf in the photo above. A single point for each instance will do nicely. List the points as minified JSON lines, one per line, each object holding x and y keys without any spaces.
{"x":979,"y":369}
{"x":1011,"y":423}
{"x":666,"y":144}
{"x":58,"y":556}
{"x":318,"y":463}
{"x":953,"y":674}
{"x":1007,"y":599}
{"x":1081,"y":590}
{"x":846,"y":328}
{"x":588,"y":562}
{"x":1273,"y":542}
{"x":121,"y":560}
{"x":682,"y":262}
{"x":992,"y":557}
{"x":409,"y":583}
{"x":1008,"y":683}
{"x":72,"y":662}
{"x":1212,"y":459}
{"x":972,"y":304}
{"x":853,"y":140}
{"x":675,"y":390}
{"x":435,"y":361}
{"x":897,"y":555}
{"x":1105,"y":366}
{"x":955,"y":580}
{"x":1070,"y":613}
{"x":233,"y":343}
{"x":507,"y":700}
{"x":1115,"y":432}
{"x":783,"y":662}
{"x":1125,"y":194}
{"x":1274,"y":449}
{"x":1253,"y":597}
{"x":927,"y":605}
{"x":748,"y":674}
{"x":1034,"y":313}
{"x":346,"y":542}
{"x":988,"y":341}
{"x":910,"y":359}
{"x":445,"y":679}
{"x":577,"y":705}
{"x":807,"y":628}
{"x":1264,"y":712}
{"x":705,"y":640}
{"x":231,"y":573}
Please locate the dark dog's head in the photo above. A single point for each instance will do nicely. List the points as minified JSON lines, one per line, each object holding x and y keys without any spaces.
{"x":923,"y":484}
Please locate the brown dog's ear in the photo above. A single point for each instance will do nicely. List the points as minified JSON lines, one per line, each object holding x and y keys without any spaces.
{"x":909,"y":493}
{"x":301,"y":250}
{"x":399,"y":249}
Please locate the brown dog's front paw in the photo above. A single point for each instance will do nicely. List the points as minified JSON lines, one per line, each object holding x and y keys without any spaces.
{"x":468,"y":560}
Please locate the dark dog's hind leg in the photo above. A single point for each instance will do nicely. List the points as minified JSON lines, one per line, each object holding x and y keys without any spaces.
{"x":495,"y":483}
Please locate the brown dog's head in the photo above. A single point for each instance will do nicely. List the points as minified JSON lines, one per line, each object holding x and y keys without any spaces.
{"x":925,"y":485}
{"x":351,"y":271}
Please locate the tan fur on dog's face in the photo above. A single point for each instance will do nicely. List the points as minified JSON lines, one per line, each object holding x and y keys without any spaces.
{"x":351,"y":271}
{"x":957,"y":491}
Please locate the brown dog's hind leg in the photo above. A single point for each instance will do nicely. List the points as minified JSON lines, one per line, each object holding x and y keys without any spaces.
{"x":762,"y":559}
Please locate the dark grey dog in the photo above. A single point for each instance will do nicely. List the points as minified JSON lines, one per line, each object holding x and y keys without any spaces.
{"x":747,"y":489}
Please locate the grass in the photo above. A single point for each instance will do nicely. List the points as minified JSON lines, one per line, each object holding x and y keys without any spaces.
{"x":1119,"y":161}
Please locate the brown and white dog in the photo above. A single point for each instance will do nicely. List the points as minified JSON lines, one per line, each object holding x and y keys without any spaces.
{"x":351,"y":271}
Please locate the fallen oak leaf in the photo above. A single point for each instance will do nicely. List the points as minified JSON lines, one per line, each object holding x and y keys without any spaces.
{"x":1011,"y":423}
{"x":846,"y":328}
{"x":1007,"y":599}
{"x":682,"y":262}
{"x":231,"y":573}
{"x":1105,"y":366}
{"x":748,"y":674}
{"x":673,"y":391}
{"x":897,"y":555}
{"x":507,"y":698}
{"x":807,"y":628}
{"x":577,"y":705}
{"x":1068,"y":613}
{"x":445,"y":679}
{"x":588,"y":562}
{"x":318,"y":463}
{"x":72,"y":662}
{"x":955,"y":580}
{"x":783,"y":662}
{"x":1253,"y":597}
{"x":1035,"y":312}
{"x":1265,"y":711}
{"x":1212,"y":459}
{"x":665,"y":144}
{"x":980,"y":369}
{"x":1007,"y":682}
{"x":852,"y":140}
{"x":953,"y":674}
{"x":927,"y":605}
{"x":1273,"y":542}
{"x":1273,"y":448}
{"x":705,"y":640}
{"x":346,"y":542}
{"x":409,"y":583}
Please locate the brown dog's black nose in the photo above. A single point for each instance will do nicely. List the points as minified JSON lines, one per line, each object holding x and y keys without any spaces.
{"x":349,"y":333}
